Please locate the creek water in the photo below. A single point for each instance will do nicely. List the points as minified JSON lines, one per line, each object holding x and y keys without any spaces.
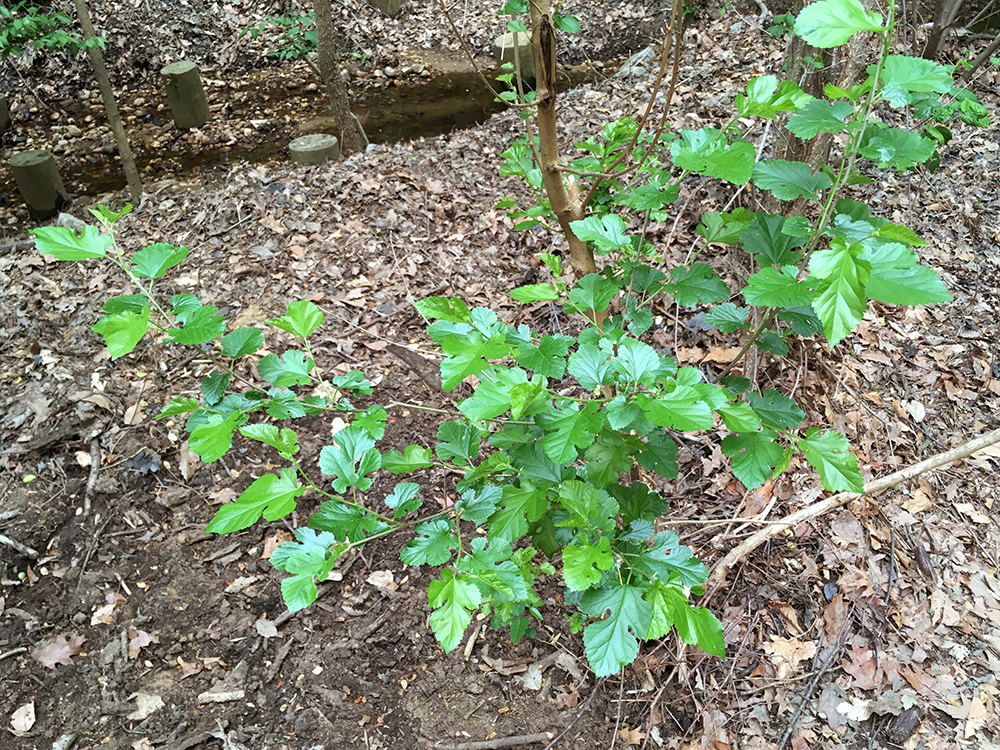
{"x":264,"y":116}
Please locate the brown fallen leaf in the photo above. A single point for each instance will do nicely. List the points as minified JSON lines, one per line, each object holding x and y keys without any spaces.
{"x":862,"y":666}
{"x":788,"y":614}
{"x":102,"y":615}
{"x":631,"y":736}
{"x":788,"y":654}
{"x":59,"y":650}
{"x":568,"y":696}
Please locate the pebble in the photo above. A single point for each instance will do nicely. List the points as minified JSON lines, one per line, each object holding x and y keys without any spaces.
{"x":139,"y":102}
{"x":73,"y":131}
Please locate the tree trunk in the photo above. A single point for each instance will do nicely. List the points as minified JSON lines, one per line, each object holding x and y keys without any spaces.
{"x":110,"y":105}
{"x":843,"y":67}
{"x":983,"y":56}
{"x":352,"y":135}
{"x":566,"y":203}
{"x":945,"y":13}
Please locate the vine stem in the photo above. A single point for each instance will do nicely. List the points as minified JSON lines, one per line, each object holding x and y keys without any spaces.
{"x":721,"y":569}
{"x":350,"y":503}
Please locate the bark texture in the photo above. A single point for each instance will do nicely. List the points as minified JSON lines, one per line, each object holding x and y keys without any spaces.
{"x":352,"y":135}
{"x":567,"y":203}
{"x":110,"y":104}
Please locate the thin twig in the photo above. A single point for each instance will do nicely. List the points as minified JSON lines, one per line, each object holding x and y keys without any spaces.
{"x":524,"y":739}
{"x":90,"y":552}
{"x":24,"y":549}
{"x":95,"y":469}
{"x":475,"y":65}
{"x":810,"y":512}
{"x":834,"y":652}
{"x":13,"y":652}
{"x":581,"y":712}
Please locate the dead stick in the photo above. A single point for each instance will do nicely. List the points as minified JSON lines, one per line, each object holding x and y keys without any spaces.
{"x":524,"y":739}
{"x":95,"y":469}
{"x":579,"y":713}
{"x":24,"y":549}
{"x":722,"y":568}
{"x":13,"y":652}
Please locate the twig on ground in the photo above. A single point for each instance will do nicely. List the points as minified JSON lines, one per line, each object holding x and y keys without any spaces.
{"x":810,"y":512}
{"x":581,"y":712}
{"x":24,"y":549}
{"x":90,"y":552}
{"x":524,"y":739}
{"x":27,"y":85}
{"x":13,"y":652}
{"x":838,"y":647}
{"x":618,"y":716}
{"x":95,"y":470}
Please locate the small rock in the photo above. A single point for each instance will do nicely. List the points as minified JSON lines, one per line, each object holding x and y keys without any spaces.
{"x":425,"y":73}
{"x":54,"y":116}
{"x":633,"y":66}
{"x":312,"y":87}
{"x":390,"y":72}
{"x":70,"y":222}
{"x":73,"y":131}
{"x":139,"y":102}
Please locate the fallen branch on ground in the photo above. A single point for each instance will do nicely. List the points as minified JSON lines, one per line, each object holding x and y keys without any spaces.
{"x":526,"y":739}
{"x":722,"y":568}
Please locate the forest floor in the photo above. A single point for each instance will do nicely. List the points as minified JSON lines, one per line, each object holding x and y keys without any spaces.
{"x":129,"y":627}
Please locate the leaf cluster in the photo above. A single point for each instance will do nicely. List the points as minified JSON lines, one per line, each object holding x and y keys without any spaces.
{"x":559,"y":426}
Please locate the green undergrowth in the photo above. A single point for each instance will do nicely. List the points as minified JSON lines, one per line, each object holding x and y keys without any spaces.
{"x":559,"y":426}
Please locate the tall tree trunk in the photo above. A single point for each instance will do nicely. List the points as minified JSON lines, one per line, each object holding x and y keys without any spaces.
{"x":110,"y":105}
{"x":352,"y":135}
{"x":945,"y":13}
{"x":567,"y":203}
{"x":983,"y":56}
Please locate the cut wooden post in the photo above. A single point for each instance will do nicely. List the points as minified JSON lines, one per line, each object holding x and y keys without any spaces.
{"x":389,"y":7}
{"x":185,"y":94}
{"x":506,"y":46}
{"x":38,"y":179}
{"x":315,"y":148}
{"x":4,"y":114}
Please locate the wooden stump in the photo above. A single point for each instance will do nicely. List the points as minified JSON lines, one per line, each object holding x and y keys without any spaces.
{"x":4,"y":114}
{"x":506,"y":46}
{"x":185,"y":94}
{"x":315,"y":148}
{"x":38,"y":179}
{"x":389,"y":7}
